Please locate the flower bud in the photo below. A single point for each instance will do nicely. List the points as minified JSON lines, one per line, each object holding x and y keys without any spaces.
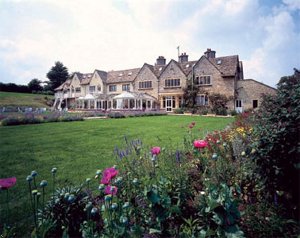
{"x":101,"y":187}
{"x":53,"y":170}
{"x":243,"y":153}
{"x":214,"y":156}
{"x":123,"y":220}
{"x":34,"y":192}
{"x":88,"y":180}
{"x":71,"y":198}
{"x":108,"y":198}
{"x":126,"y":205}
{"x":29,"y":178}
{"x":94,"y":211}
{"x":135,"y":181}
{"x":44,"y":183}
{"x":114,"y":206}
{"x":34,"y":173}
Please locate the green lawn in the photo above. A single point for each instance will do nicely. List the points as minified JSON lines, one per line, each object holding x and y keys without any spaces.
{"x":23,"y":99}
{"x":78,"y":149}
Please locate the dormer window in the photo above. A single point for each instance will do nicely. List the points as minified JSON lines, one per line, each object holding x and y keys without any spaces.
{"x":120,"y":75}
{"x":219,"y":61}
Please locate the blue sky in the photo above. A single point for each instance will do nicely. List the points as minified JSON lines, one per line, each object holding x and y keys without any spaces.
{"x":113,"y":35}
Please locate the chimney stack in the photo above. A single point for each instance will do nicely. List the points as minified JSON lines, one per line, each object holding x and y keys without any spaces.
{"x":210,"y":53}
{"x":183,"y":58}
{"x":161,"y":60}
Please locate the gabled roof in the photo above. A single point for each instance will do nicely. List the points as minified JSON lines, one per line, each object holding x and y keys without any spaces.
{"x":186,"y":67}
{"x":120,"y":76}
{"x":102,"y":74}
{"x":151,"y":67}
{"x":175,"y":62}
{"x":64,"y":85}
{"x":84,"y":78}
{"x":227,"y":65}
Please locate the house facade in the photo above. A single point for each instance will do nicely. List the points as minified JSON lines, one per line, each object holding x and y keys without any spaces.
{"x":161,"y":86}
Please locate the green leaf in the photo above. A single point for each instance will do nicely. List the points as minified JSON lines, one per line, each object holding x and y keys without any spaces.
{"x":153,"y":197}
{"x":154,"y":231}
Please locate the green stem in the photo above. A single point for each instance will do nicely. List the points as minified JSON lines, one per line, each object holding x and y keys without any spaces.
{"x":7,"y":206}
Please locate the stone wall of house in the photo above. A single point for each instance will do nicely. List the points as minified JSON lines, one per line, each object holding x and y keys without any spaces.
{"x":172,"y":72}
{"x":119,"y":87}
{"x":219,"y":84}
{"x":147,"y":75}
{"x":250,"y":90}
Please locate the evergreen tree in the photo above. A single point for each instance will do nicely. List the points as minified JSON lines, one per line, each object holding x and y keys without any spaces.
{"x":35,"y":85}
{"x":57,"y":75}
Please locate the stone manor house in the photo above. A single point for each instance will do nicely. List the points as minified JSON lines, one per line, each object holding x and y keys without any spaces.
{"x":160,"y":86}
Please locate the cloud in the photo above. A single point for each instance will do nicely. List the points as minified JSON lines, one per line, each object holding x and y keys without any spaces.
{"x":117,"y":35}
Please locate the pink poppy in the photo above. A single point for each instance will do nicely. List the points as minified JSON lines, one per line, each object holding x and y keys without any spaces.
{"x":111,"y":190}
{"x":7,"y":183}
{"x":191,"y":126}
{"x":200,"y":144}
{"x":108,"y":174}
{"x":112,"y":172}
{"x":155,"y":150}
{"x":193,"y":123}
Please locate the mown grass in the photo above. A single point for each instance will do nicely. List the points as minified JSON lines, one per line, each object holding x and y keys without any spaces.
{"x":78,"y":149}
{"x":23,"y":99}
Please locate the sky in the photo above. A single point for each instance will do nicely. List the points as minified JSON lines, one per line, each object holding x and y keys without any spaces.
{"x":112,"y":35}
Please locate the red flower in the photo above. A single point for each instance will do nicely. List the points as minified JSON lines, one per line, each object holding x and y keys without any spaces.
{"x":108,"y":174}
{"x":200,"y":144}
{"x":193,"y":123}
{"x":111,"y":190}
{"x":155,"y":150}
{"x":7,"y":183}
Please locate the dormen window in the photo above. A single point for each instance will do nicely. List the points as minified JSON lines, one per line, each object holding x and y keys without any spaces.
{"x":126,"y":87}
{"x":112,"y":88}
{"x":78,"y":90}
{"x":92,"y":89}
{"x":145,"y":84}
{"x":202,"y":100}
{"x":172,"y":83}
{"x":203,"y":80}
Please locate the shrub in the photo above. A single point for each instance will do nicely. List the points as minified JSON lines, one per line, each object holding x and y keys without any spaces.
{"x":116,"y":115}
{"x":178,"y":111}
{"x":277,"y":146}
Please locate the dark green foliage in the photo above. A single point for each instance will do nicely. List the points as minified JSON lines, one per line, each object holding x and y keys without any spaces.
{"x":35,"y":85}
{"x":218,"y":103}
{"x":189,"y":96}
{"x":278,"y":147}
{"x":178,"y":111}
{"x":116,"y":115}
{"x":57,"y":75}
{"x":66,"y":210}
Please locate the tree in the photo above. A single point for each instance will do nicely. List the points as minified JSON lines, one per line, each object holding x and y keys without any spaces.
{"x":35,"y":85}
{"x":57,"y":75}
{"x":278,"y":147}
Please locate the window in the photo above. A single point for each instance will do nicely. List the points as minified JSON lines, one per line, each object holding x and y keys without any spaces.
{"x":238,"y":103}
{"x":172,"y":83}
{"x":145,"y":84}
{"x":255,"y":103}
{"x":92,"y":89}
{"x":112,"y":88}
{"x":203,"y":80}
{"x":126,"y":87}
{"x":78,"y":90}
{"x":202,"y":100}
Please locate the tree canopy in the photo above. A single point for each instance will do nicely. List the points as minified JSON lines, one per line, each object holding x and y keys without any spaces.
{"x":57,"y":75}
{"x":35,"y":85}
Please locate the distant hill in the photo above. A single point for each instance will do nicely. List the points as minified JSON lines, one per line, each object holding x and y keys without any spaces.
{"x":25,"y":100}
